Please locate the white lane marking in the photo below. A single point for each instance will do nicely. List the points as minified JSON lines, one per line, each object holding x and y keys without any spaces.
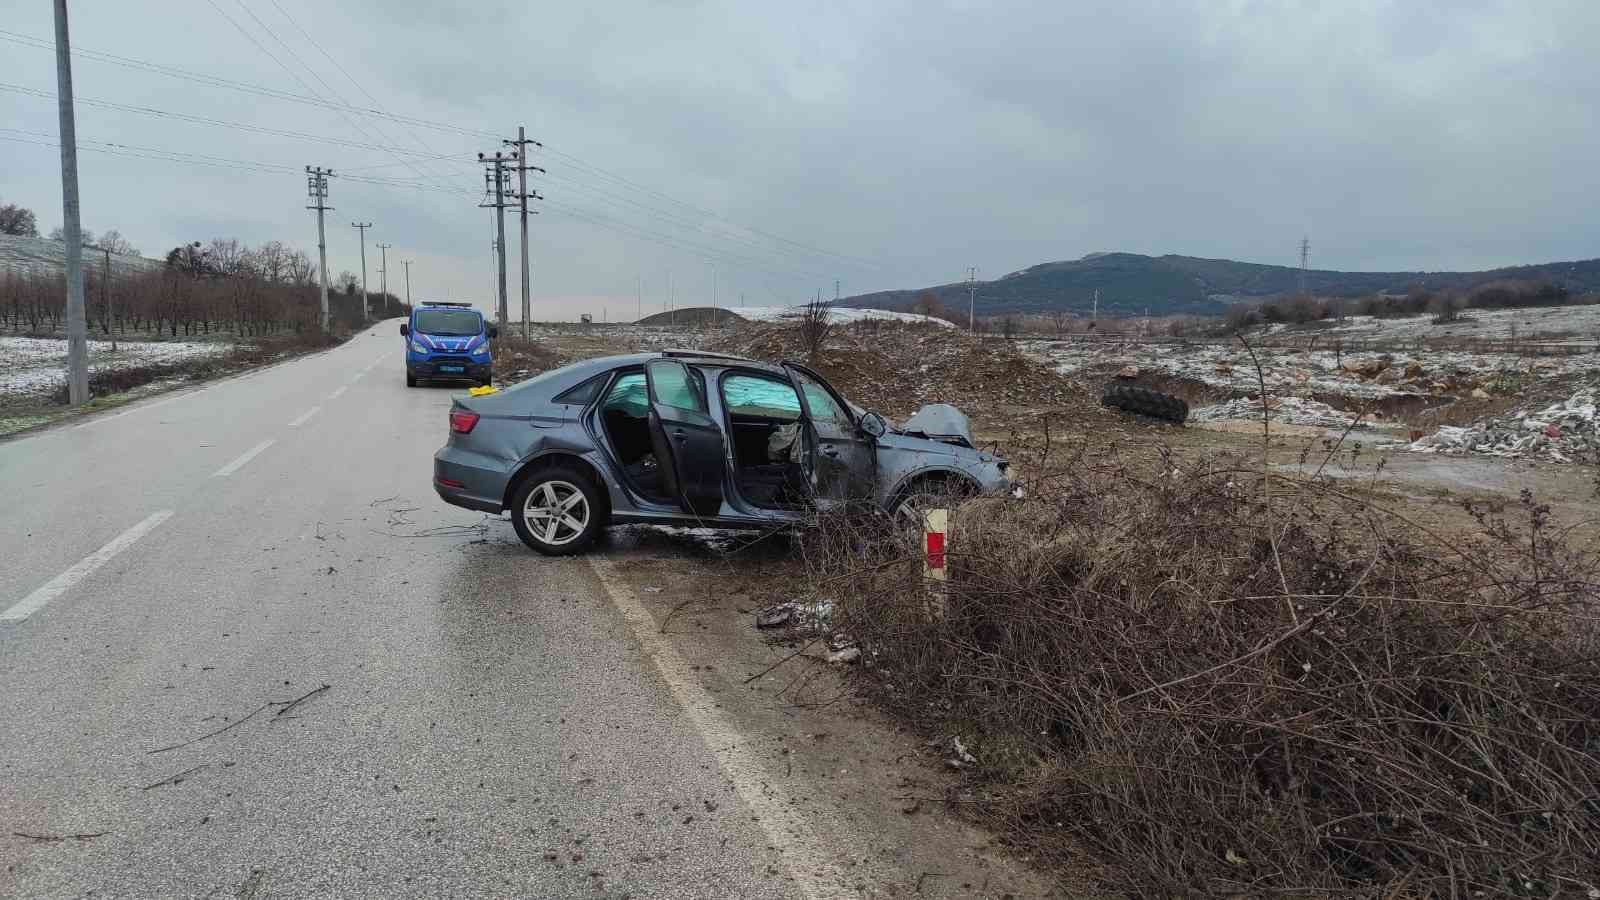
{"x":62,"y":583}
{"x":335,"y":394}
{"x":238,"y":464}
{"x":786,"y":827}
{"x":304,"y":416}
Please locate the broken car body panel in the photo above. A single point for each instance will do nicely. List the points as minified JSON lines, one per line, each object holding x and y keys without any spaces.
{"x":703,"y":440}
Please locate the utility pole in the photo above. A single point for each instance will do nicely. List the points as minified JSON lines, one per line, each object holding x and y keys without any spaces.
{"x":1095,"y":316}
{"x":521,"y":156}
{"x":972,"y":299}
{"x":366,"y":299}
{"x":496,"y":173}
{"x":383,"y":274}
{"x":317,"y":192}
{"x":638,"y":297}
{"x":72,"y":230}
{"x":105,"y":295}
{"x":407,"y":264}
{"x":836,"y":292}
{"x":1305,"y":259}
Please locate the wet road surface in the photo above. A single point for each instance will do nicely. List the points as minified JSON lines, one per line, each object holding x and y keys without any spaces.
{"x":245,"y":651}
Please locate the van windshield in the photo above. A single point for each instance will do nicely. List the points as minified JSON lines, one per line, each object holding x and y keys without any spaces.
{"x":453,"y":322}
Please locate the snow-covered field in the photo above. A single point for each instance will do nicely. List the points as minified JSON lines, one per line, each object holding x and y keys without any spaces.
{"x":1307,"y":372}
{"x":36,"y":366}
{"x":845,"y":315}
{"x":1571,"y":322}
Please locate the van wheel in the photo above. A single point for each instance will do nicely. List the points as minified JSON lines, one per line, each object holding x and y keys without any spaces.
{"x":557,"y":511}
{"x":411,"y":380}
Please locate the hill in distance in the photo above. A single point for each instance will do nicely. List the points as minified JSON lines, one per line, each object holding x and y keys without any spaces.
{"x":1130,"y":283}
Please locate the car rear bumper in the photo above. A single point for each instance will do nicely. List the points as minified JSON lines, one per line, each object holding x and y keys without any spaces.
{"x":459,"y":482}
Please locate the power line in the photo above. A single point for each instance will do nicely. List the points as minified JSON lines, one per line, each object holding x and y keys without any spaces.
{"x":230,"y":84}
{"x":292,"y":73}
{"x":223,"y":123}
{"x":259,"y":90}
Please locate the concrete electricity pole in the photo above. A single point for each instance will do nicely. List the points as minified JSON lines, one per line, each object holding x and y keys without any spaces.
{"x":72,"y":230}
{"x":497,"y":174}
{"x":407,"y":264}
{"x":366,"y":299}
{"x":522,"y":143}
{"x":383,"y":273}
{"x":317,"y":192}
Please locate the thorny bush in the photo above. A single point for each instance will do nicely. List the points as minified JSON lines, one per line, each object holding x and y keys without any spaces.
{"x":1340,"y":702}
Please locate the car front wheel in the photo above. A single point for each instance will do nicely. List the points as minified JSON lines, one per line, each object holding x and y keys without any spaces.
{"x":557,"y":511}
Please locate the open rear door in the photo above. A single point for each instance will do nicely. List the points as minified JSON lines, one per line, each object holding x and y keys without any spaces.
{"x":688,"y":443}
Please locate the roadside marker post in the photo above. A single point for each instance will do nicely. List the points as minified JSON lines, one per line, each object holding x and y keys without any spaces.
{"x":936,"y":547}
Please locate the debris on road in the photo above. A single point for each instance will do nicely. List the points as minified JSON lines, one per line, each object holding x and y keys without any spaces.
{"x":1559,"y":432}
{"x":795,"y":614}
{"x":960,"y":757}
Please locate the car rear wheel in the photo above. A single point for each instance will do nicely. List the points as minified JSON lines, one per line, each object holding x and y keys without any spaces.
{"x":557,"y":511}
{"x":411,"y":380}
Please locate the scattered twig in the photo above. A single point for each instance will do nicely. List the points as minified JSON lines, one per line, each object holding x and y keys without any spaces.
{"x":301,"y":699}
{"x":179,"y":778}
{"x":58,"y":838}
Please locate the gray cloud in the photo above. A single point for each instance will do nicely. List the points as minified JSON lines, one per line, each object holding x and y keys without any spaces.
{"x":923,"y":137}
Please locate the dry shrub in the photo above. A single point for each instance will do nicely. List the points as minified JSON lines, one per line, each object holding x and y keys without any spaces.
{"x":1347,"y":704}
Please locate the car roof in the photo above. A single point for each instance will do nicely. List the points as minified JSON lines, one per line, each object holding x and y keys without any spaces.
{"x":599,"y":364}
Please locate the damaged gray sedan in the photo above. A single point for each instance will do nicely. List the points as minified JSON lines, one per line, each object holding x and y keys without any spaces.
{"x":693,"y":439}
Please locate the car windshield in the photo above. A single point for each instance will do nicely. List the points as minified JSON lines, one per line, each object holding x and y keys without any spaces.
{"x":452,"y":322}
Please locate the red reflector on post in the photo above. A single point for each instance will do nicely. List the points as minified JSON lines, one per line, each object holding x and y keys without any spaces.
{"x":462,"y":421}
{"x":935,"y":550}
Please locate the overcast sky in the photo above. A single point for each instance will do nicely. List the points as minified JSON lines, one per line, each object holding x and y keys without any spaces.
{"x":769,"y":149}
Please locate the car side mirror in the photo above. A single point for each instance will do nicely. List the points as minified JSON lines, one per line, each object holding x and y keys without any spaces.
{"x":874,"y":426}
{"x":405,"y":330}
{"x":494,"y":332}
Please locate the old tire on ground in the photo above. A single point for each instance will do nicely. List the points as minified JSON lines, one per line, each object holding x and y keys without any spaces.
{"x":1146,"y":402}
{"x":557,"y":511}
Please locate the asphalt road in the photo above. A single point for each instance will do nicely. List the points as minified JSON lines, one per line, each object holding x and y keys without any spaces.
{"x":175,"y":575}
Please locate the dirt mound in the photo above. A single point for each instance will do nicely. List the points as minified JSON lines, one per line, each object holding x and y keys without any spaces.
{"x":693,"y":316}
{"x":895,"y":369}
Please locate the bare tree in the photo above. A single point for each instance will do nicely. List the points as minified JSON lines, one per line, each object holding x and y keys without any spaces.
{"x":114,"y":241}
{"x":816,"y":323}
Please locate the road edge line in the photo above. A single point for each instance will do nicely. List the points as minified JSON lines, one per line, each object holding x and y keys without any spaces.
{"x":811,"y":867}
{"x":85,"y":567}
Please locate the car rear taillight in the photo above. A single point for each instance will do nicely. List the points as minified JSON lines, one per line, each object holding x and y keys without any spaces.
{"x":462,"y":421}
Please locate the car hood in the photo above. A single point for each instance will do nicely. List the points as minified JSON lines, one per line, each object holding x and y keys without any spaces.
{"x":939,"y":422}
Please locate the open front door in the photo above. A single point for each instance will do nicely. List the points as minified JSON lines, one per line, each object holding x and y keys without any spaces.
{"x":688,"y":443}
{"x":842,"y":462}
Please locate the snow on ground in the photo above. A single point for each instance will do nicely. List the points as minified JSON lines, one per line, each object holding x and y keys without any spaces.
{"x":1561,"y":432}
{"x":1306,"y":372}
{"x":1579,"y":323}
{"x":36,"y":366}
{"x":840,"y":314}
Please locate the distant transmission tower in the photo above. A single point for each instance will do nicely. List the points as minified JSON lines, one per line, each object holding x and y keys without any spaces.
{"x":972,"y":299}
{"x":1305,"y":261}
